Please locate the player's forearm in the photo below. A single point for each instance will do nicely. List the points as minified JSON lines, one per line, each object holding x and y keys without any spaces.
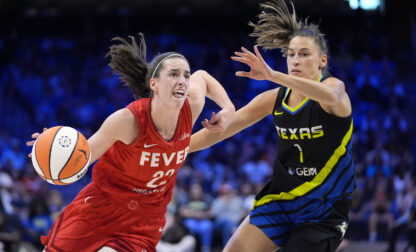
{"x":315,"y":90}
{"x":203,"y":139}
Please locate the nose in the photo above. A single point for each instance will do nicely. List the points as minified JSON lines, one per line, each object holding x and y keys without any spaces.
{"x":296,"y":60}
{"x":182,"y":81}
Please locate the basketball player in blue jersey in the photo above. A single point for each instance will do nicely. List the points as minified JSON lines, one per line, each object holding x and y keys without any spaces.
{"x":305,"y":205}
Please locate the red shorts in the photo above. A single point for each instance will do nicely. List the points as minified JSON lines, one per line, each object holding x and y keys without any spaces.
{"x":94,"y":220}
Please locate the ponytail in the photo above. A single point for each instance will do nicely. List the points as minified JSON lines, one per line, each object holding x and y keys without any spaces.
{"x":277,"y":26}
{"x":129,"y":62}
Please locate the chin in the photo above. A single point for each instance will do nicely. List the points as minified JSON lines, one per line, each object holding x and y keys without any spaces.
{"x":178,"y":102}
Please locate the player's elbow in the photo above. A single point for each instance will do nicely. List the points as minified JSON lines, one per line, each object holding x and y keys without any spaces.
{"x":200,"y":73}
{"x":336,"y":93}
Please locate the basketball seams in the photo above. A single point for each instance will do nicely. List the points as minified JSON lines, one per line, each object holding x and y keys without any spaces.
{"x":51,"y":156}
{"x":50,"y":150}
{"x":70,"y":156}
{"x":38,"y":169}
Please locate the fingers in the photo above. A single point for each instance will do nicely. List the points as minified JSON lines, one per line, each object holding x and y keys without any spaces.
{"x":30,"y":143}
{"x":212,"y":127}
{"x":242,"y":60}
{"x":243,"y":74}
{"x":214,"y":124}
{"x":35,"y":135}
{"x":248,"y":53}
{"x":256,"y":50}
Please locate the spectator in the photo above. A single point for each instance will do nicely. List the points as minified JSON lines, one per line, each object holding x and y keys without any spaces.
{"x":197,"y":216}
{"x":228,"y":211}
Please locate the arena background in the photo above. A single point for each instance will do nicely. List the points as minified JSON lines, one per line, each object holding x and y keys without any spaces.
{"x":53,"y":72}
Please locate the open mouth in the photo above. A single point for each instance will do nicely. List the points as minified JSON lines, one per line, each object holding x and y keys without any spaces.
{"x":179,"y":94}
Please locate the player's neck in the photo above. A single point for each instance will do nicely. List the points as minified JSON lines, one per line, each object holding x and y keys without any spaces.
{"x":165,"y":120}
{"x":295,"y":98}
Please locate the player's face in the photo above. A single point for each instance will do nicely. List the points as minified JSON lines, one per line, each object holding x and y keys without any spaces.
{"x":173,"y":82}
{"x":304,"y":58}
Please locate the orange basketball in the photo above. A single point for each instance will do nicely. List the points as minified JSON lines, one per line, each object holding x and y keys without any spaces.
{"x":61,"y":155}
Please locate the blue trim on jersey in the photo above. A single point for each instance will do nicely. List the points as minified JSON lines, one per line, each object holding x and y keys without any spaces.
{"x":298,"y":109}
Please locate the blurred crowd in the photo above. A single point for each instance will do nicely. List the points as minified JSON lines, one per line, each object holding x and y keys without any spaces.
{"x":53,"y":80}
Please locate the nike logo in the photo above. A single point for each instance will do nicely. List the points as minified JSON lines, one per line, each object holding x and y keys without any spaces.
{"x":148,"y":146}
{"x":277,"y":113}
{"x":161,"y":229}
{"x":84,"y":152}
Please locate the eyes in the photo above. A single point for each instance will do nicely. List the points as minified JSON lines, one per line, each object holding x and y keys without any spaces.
{"x":177,"y":74}
{"x":303,"y":54}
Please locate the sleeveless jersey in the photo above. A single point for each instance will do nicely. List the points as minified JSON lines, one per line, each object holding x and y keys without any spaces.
{"x":144,"y":172}
{"x":313,"y":153}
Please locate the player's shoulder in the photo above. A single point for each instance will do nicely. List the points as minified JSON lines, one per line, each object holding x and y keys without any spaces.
{"x":333,"y":81}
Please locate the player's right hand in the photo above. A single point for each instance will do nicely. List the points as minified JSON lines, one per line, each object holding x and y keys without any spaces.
{"x":259,"y":69}
{"x":31,"y":143}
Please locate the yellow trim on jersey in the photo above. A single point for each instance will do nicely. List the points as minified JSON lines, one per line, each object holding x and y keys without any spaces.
{"x":295,"y":108}
{"x":316,"y":181}
{"x":300,"y":104}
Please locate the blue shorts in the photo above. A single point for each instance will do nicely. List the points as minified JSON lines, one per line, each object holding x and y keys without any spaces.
{"x":278,"y":219}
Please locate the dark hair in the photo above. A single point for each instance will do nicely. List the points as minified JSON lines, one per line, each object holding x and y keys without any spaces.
{"x":277,"y":27}
{"x":129,"y":61}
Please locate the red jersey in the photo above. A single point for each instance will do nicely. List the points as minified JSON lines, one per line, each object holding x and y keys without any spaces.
{"x":144,"y":172}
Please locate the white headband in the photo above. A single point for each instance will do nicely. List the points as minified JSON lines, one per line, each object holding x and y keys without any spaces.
{"x":157,"y":66}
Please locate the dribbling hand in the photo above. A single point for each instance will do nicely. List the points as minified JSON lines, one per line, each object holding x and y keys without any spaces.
{"x":259,"y":70}
{"x":31,"y":143}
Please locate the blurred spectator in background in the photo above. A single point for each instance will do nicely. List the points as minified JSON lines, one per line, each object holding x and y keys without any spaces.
{"x":10,"y":232}
{"x":197,"y":215}
{"x":176,"y":237}
{"x":227,"y":209}
{"x":39,"y":221}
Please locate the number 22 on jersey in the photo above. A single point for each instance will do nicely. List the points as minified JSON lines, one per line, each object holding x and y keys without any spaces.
{"x":155,"y":182}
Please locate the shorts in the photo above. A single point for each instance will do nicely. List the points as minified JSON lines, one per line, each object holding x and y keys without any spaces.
{"x":313,"y":220}
{"x":312,"y":239}
{"x":94,"y":220}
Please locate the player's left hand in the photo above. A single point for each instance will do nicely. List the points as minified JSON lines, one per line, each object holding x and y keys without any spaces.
{"x":31,"y":143}
{"x":219,"y":122}
{"x":259,"y":70}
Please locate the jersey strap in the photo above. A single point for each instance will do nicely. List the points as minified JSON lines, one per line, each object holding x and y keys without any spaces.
{"x":279,"y":98}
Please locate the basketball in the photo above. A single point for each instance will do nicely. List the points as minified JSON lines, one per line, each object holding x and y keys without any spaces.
{"x":61,"y":155}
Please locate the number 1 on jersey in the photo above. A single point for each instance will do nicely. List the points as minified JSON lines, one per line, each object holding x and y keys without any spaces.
{"x":301,"y":152}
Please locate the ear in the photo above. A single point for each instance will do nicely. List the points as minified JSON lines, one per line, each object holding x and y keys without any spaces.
{"x":324,"y":61}
{"x":153,"y":84}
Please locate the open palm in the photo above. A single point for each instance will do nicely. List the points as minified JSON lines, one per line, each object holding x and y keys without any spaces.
{"x":259,"y":70}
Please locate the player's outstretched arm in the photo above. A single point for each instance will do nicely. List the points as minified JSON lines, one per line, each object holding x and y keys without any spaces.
{"x":331,"y":96}
{"x":204,"y":85}
{"x":261,"y":106}
{"x":121,"y":125}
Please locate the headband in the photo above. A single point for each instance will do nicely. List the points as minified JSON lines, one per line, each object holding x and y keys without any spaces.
{"x":157,"y":66}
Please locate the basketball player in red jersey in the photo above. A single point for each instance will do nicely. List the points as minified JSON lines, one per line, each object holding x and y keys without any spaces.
{"x":140,"y":149}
